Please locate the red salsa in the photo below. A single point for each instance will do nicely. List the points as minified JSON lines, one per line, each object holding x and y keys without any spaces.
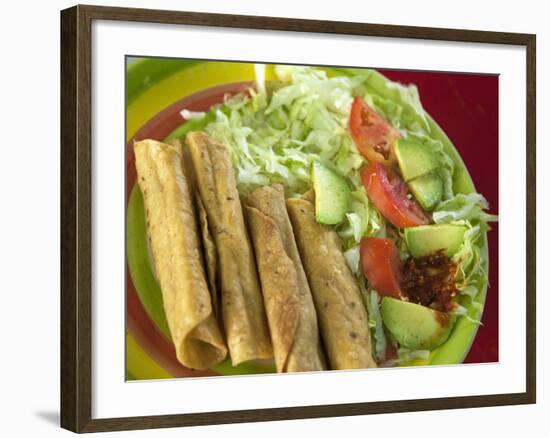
{"x":430,"y":281}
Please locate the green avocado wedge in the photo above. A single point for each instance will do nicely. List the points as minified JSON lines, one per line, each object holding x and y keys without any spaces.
{"x":332,"y":195}
{"x":415,"y":159}
{"x":427,"y":189}
{"x":428,"y":239}
{"x":414,"y":326}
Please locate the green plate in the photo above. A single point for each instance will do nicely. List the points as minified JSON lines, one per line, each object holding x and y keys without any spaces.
{"x":154,"y":84}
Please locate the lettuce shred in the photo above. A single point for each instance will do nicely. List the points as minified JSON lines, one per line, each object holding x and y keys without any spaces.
{"x":468,"y":210}
{"x":361,"y":220}
{"x":378,"y":335}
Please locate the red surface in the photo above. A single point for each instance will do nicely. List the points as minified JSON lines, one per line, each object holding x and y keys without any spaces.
{"x":466,"y":108}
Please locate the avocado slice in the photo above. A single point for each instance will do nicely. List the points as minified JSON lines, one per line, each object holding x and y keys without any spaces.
{"x":428,"y":239}
{"x":415,"y":326}
{"x":415,"y":159}
{"x":427,"y":189}
{"x":332,"y":195}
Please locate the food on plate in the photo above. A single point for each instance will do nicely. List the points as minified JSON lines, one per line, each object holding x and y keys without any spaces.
{"x":242,"y":306}
{"x":419,"y":168}
{"x":373,"y":135}
{"x":173,"y":234}
{"x":414,"y":326}
{"x":415,"y":159}
{"x":429,"y":239}
{"x":379,"y":170}
{"x":289,"y":306}
{"x":342,"y":315}
{"x":389,"y":194}
{"x":366,"y":248}
{"x":381,"y":263}
{"x":208,"y":245}
{"x":430,"y":280}
{"x":427,"y":189}
{"x":333,"y":194}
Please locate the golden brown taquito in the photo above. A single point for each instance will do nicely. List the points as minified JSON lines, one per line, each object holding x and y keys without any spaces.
{"x":208,"y":244}
{"x":242,"y":306}
{"x":287,"y":298}
{"x":338,"y":301}
{"x":173,"y":234}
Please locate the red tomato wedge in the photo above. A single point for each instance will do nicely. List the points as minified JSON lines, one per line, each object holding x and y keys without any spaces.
{"x":382,"y":265}
{"x":372,"y":134}
{"x":388,"y":193}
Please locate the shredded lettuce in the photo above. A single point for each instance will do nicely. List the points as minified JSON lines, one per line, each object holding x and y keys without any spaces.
{"x":275,"y":134}
{"x":460,"y":310}
{"x":399,"y":104}
{"x":468,"y":210}
{"x":463,"y":207}
{"x":353,"y":257}
{"x":372,"y":300}
{"x":407,"y":116}
{"x":192,"y":115}
{"x":362,"y":220}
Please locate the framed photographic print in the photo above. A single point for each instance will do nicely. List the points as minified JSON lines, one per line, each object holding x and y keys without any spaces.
{"x":267,"y":218}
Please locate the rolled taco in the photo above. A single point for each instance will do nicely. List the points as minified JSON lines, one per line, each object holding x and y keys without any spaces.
{"x":289,"y":306}
{"x":175,"y":245}
{"x":208,"y":245}
{"x":340,"y":308}
{"x":242,"y":306}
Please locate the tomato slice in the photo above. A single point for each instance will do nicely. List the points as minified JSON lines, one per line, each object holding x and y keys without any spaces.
{"x":388,"y":193}
{"x":372,"y":134}
{"x":382,"y":265}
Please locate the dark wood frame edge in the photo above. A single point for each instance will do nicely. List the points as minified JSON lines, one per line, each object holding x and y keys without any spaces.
{"x":76,"y":226}
{"x":76,"y":223}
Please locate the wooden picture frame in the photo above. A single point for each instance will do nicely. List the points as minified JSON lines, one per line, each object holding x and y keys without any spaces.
{"x":76,"y":217}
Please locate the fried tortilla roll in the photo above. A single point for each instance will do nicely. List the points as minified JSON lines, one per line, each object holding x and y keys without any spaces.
{"x":242,"y":306}
{"x":208,"y":245}
{"x":287,"y":298}
{"x":338,"y":300}
{"x":175,"y":245}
